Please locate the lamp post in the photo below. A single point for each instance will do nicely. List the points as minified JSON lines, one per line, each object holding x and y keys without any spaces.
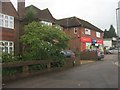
{"x":117,"y":30}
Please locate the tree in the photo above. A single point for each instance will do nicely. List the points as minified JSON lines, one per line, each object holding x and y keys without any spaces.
{"x":43,"y":42}
{"x":30,"y":15}
{"x":106,"y":34}
{"x":111,"y":33}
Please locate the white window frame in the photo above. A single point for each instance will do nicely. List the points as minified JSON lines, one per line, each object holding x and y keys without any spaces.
{"x":87,"y":31}
{"x":98,"y":34}
{"x":46,"y":23}
{"x":6,"y":21}
{"x":7,"y":46}
{"x":75,"y":30}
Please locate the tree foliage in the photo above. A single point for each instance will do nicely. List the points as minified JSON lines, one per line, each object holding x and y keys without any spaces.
{"x":106,"y":34}
{"x":30,"y":16}
{"x":111,"y":33}
{"x":43,"y":42}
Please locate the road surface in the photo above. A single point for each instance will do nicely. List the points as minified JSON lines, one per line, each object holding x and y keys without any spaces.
{"x":99,"y":74}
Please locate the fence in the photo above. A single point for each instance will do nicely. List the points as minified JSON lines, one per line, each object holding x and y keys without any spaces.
{"x":24,"y":68}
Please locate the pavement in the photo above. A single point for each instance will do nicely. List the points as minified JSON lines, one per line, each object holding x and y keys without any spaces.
{"x":99,"y":74}
{"x":86,"y":61}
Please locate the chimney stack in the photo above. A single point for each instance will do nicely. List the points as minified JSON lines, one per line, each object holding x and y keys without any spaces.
{"x":21,"y":8}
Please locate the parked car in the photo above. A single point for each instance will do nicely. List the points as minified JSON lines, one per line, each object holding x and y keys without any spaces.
{"x":68,"y":53}
{"x":113,"y":51}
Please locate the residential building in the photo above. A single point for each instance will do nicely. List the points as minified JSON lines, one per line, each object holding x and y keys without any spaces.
{"x":82,"y":34}
{"x":10,"y":26}
{"x":43,"y":16}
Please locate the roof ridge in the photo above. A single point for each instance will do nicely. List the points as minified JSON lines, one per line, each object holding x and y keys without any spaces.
{"x":33,"y":6}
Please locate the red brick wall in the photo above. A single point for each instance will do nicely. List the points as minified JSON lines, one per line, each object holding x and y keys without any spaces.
{"x":21,"y":8}
{"x":8,"y":34}
{"x":13,"y":34}
{"x":74,"y":42}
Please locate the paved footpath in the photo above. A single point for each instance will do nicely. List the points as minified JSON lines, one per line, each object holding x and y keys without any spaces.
{"x":99,"y":74}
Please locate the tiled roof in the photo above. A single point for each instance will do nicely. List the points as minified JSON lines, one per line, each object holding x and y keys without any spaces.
{"x":68,"y":22}
{"x":10,"y":7}
{"x":43,"y":15}
{"x":74,"y":22}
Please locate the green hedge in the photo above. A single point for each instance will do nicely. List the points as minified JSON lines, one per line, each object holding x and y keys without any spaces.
{"x":11,"y":71}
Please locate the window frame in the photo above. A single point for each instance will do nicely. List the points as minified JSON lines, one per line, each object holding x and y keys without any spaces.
{"x":87,"y":31}
{"x":75,"y":30}
{"x":6,"y":21}
{"x":98,"y":34}
{"x":5,"y":46}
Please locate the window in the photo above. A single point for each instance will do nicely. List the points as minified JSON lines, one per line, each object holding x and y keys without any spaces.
{"x":6,"y":17}
{"x":6,"y":21}
{"x":98,"y":34}
{"x":75,"y":30}
{"x":11,"y":22}
{"x":1,"y":22}
{"x":0,"y":15}
{"x":87,"y":31}
{"x":10,"y":44}
{"x":46,"y":23}
{"x":7,"y":46}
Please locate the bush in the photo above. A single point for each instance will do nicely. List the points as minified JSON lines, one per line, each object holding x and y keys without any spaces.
{"x":11,"y":71}
{"x":5,"y":58}
{"x":37,"y":67}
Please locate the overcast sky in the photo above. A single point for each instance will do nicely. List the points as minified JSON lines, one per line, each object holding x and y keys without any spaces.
{"x":101,"y":13}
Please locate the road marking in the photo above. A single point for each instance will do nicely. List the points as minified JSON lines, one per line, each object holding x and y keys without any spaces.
{"x":116,"y":63}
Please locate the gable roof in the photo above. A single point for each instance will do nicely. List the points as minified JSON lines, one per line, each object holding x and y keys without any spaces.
{"x":69,"y":22}
{"x":74,"y":22}
{"x":9,"y":9}
{"x":43,"y":15}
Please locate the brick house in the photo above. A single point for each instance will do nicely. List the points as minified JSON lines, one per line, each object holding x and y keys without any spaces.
{"x":82,"y":33}
{"x":10,"y":26}
{"x":43,"y":16}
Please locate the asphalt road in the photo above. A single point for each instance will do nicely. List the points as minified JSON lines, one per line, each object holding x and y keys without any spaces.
{"x":99,"y":74}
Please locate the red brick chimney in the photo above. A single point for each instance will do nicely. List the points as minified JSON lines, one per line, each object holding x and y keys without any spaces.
{"x":20,"y":30}
{"x":21,"y":8}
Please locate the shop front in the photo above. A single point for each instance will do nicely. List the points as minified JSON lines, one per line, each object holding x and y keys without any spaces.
{"x":97,"y":44}
{"x":85,"y":43}
{"x":100,"y":44}
{"x":90,"y":44}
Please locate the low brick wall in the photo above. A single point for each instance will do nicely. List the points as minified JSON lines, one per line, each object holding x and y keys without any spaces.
{"x":25,"y":68}
{"x":88,"y":55}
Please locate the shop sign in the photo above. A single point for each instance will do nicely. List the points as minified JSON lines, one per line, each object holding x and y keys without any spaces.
{"x":84,"y":39}
{"x":99,"y":41}
{"x":93,"y":41}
